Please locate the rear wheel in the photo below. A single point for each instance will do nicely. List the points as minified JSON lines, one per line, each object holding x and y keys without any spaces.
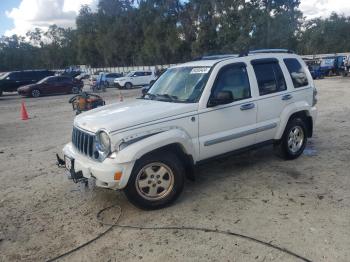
{"x":1,"y":92}
{"x":156,"y":181}
{"x":294,"y":139}
{"x":35,"y":93}
{"x":128,"y":85}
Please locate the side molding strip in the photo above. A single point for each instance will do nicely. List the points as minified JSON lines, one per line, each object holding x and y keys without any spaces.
{"x":238,"y":135}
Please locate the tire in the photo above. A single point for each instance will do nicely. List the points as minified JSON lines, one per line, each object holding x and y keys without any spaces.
{"x":128,"y":85}
{"x":1,"y":92}
{"x":75,"y":90}
{"x":35,"y":93}
{"x":150,"y":173}
{"x":294,"y":139}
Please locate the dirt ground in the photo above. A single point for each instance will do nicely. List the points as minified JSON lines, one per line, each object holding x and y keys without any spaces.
{"x":302,"y":205}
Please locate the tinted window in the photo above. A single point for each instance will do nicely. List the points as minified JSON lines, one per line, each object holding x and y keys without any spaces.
{"x":296,"y":72}
{"x":148,"y":73}
{"x":233,"y":78}
{"x":270,"y":77}
{"x":138,"y":74}
{"x":51,"y":79}
{"x":13,"y":76}
{"x":30,"y":75}
{"x":42,"y":74}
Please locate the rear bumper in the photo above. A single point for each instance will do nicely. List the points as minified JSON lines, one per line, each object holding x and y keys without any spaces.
{"x":103,"y":172}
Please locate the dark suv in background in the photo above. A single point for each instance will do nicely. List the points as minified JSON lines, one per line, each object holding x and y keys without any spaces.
{"x":9,"y":82}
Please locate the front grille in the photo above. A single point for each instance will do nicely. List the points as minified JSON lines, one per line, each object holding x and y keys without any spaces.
{"x":82,"y":141}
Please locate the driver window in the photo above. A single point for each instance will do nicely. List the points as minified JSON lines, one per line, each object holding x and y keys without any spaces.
{"x":233,"y":78}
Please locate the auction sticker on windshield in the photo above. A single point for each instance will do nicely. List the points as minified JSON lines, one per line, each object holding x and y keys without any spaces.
{"x":200,"y":70}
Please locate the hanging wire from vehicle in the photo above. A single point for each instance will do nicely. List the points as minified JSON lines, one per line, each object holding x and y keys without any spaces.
{"x":111,"y":226}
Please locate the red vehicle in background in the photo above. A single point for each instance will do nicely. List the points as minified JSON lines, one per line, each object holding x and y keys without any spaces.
{"x":52,"y":85}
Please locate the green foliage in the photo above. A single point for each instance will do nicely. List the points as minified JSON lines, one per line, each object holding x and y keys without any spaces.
{"x":145,"y":32}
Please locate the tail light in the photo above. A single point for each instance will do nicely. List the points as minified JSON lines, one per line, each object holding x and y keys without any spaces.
{"x":314,"y":100}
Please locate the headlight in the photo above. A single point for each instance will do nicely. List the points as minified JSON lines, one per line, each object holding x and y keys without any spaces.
{"x":103,"y":143}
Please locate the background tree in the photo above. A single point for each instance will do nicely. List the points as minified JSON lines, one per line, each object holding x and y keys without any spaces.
{"x":150,"y":32}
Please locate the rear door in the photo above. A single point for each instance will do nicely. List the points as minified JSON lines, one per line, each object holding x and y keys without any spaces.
{"x":66,"y":84}
{"x":48,"y":86}
{"x":274,"y":96}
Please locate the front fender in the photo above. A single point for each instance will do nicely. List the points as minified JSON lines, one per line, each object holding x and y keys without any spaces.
{"x":174,"y":136}
{"x":287,"y":112}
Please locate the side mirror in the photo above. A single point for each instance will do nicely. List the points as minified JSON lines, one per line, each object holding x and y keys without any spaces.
{"x":221,"y":98}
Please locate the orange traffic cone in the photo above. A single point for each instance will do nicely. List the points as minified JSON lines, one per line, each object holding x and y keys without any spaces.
{"x":24,"y":114}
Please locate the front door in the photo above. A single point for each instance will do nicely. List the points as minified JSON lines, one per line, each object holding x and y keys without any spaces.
{"x":225,"y":128}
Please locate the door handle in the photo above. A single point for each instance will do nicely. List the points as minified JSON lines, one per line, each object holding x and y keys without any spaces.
{"x":247,"y":106}
{"x":287,"y":97}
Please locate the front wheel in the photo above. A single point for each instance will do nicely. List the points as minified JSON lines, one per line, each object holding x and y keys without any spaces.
{"x":128,"y":85}
{"x":1,"y":92}
{"x":35,"y":93}
{"x":156,"y":181}
{"x":294,"y":139}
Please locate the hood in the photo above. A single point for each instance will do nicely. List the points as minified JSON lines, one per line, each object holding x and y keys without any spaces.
{"x":122,"y":115}
{"x":120,"y":78}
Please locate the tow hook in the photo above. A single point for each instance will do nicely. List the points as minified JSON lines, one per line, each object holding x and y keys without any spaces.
{"x":75,"y":176}
{"x":60,"y":162}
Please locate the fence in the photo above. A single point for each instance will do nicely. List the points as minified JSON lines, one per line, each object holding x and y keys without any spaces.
{"x":125,"y":69}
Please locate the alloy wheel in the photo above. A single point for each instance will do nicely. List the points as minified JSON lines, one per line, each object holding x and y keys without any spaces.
{"x":154,"y":181}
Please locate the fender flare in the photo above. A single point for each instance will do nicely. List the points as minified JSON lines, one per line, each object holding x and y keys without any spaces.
{"x":288,"y":112}
{"x":138,"y":149}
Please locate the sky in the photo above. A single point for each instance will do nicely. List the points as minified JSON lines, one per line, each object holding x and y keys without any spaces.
{"x":19,"y":16}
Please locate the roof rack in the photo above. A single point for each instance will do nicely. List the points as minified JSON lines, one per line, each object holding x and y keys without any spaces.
{"x":258,"y":51}
{"x":216,"y":57}
{"x":244,"y":53}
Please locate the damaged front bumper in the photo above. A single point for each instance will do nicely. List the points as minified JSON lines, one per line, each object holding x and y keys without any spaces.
{"x":108,"y":174}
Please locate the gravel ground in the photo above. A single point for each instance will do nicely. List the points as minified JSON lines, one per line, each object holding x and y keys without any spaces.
{"x":302,"y":205}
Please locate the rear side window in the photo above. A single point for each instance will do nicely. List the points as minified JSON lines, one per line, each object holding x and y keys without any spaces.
{"x":233,"y":78}
{"x":269,"y":76}
{"x":29,"y":75}
{"x":297,"y":72}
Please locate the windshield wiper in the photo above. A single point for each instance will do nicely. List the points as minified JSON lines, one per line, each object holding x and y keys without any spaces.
{"x":151,"y":96}
{"x":169,"y":97}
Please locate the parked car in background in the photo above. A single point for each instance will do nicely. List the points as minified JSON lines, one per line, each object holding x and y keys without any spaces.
{"x":316,"y":72}
{"x":82,"y":76}
{"x":108,"y":78}
{"x":158,"y":74}
{"x":136,"y":78}
{"x":9,"y":82}
{"x":52,"y":85}
{"x":332,"y":65}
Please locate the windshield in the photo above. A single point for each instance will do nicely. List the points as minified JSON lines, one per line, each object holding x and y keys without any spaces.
{"x":180,"y":84}
{"x":3,"y":75}
{"x":130,"y":73}
{"x":44,"y":80}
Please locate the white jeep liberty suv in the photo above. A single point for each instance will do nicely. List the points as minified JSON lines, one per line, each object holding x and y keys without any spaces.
{"x":194,"y":112}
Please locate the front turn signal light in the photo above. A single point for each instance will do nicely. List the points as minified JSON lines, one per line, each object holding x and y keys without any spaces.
{"x":118,"y":175}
